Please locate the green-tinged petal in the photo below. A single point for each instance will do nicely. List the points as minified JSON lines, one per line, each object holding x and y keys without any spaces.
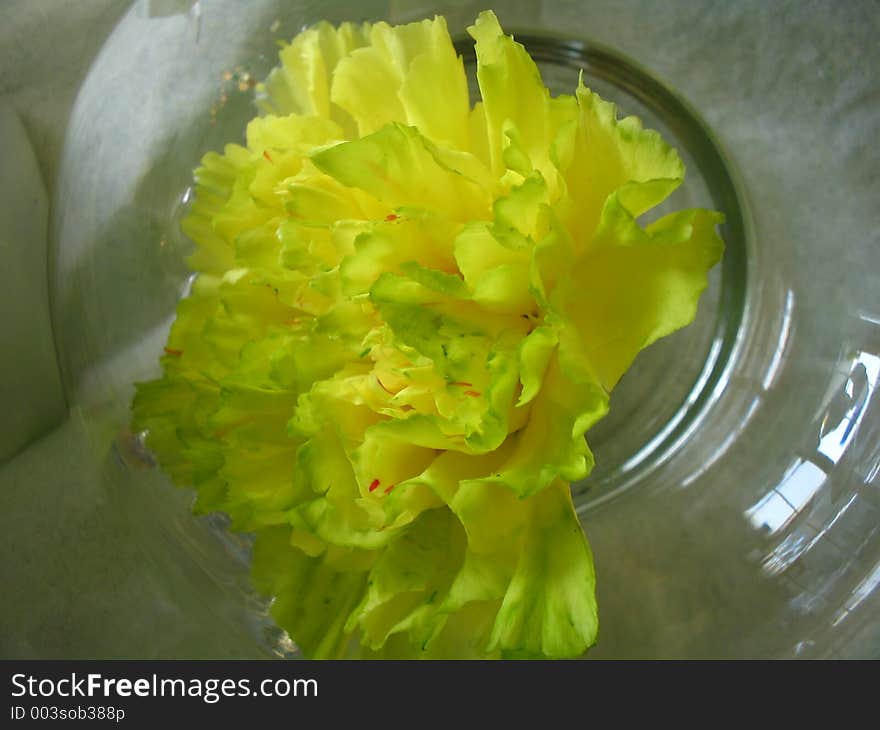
{"x":409,"y":73}
{"x":411,"y":574}
{"x":609,"y":154}
{"x":464,"y":634}
{"x":367,"y":86}
{"x":301,"y":84}
{"x":549,"y":609}
{"x":292,"y":132}
{"x":639,"y":285}
{"x":217,"y":181}
{"x":313,"y":596}
{"x":417,"y":309}
{"x":474,"y":351}
{"x":411,"y":235}
{"x":249,"y":415}
{"x":172,"y":412}
{"x":551,"y":446}
{"x":498,"y":275}
{"x":551,"y":260}
{"x":260,"y":486}
{"x":510,"y":86}
{"x":333,"y":514}
{"x":383,"y":461}
{"x":352,"y":475}
{"x":446,"y":284}
{"x":279,"y":145}
{"x":399,"y":166}
{"x":314,"y":197}
{"x":478,"y":133}
{"x":519,"y":212}
{"x":534,"y":357}
{"x":522,"y":120}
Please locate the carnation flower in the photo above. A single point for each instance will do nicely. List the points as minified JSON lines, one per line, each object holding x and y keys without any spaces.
{"x":408,"y":312}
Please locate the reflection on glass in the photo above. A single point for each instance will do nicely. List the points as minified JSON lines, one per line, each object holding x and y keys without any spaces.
{"x":801,"y":485}
{"x":783,"y":502}
{"x":805,"y":478}
{"x":771,"y":513}
{"x":861,"y":592}
{"x":770,"y":376}
{"x":649,"y":448}
{"x":845,"y":413}
{"x":803,"y":481}
{"x":782,"y":342}
{"x":725,"y":445}
{"x":796,"y":545}
{"x":789,"y":550}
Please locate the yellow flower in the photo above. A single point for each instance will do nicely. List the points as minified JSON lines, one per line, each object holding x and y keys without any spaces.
{"x":408,"y":313}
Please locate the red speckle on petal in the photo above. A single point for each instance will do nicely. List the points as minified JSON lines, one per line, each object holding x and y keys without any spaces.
{"x":463,"y":384}
{"x":472,"y":393}
{"x":267,"y":155}
{"x":374,"y":485}
{"x":389,"y":488}
{"x":175,"y":353}
{"x":390,"y":217}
